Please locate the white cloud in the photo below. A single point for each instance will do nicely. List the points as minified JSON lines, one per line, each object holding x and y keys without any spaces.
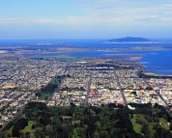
{"x":17,"y":20}
{"x":132,"y":11}
{"x":107,"y":13}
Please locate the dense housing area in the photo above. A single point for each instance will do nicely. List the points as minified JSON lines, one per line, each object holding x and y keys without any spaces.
{"x":99,"y":84}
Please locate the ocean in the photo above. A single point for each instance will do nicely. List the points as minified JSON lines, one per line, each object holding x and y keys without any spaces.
{"x":155,"y":56}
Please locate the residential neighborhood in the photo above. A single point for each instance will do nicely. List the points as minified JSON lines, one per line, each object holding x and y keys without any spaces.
{"x":83,"y":84}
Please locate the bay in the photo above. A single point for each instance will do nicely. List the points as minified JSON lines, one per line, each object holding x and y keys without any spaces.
{"x":155,"y":60}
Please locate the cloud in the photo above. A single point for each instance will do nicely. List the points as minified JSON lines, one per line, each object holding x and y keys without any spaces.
{"x":17,"y":20}
{"x":107,"y":14}
{"x":134,"y":9}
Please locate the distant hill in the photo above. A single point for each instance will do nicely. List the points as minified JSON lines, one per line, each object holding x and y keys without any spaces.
{"x":130,"y":39}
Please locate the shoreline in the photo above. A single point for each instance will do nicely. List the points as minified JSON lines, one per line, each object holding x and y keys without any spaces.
{"x":154,"y":75}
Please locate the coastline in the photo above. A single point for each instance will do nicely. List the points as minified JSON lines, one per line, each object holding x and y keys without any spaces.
{"x":154,"y":75}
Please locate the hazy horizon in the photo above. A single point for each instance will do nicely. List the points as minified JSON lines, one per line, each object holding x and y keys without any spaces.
{"x":85,"y":19}
{"x":81,"y":39}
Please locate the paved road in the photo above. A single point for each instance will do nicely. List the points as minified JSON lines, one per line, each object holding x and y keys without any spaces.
{"x":161,"y":97}
{"x":18,"y":114}
{"x":56,"y":90}
{"x":157,"y":92}
{"x":59,"y":85}
{"x":121,"y":90}
{"x":89,"y":86}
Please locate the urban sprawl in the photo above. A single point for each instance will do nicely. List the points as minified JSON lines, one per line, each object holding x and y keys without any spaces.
{"x":84,"y":83}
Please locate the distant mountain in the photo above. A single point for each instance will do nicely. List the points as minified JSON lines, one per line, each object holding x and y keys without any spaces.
{"x":130,"y":39}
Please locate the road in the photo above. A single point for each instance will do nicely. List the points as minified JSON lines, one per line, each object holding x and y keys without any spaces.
{"x":121,"y":90}
{"x":58,"y":88}
{"x":161,"y":97}
{"x":18,"y":114}
{"x":88,"y":91}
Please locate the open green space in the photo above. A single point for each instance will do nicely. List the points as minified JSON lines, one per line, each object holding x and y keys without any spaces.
{"x":107,"y":121}
{"x":44,"y":95}
{"x":45,"y":92}
{"x":29,"y":126}
{"x":136,"y":126}
{"x":64,"y":58}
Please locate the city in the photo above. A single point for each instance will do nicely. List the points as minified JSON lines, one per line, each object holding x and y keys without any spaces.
{"x":83,"y":84}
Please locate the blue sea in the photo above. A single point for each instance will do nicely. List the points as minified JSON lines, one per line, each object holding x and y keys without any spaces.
{"x":155,"y":60}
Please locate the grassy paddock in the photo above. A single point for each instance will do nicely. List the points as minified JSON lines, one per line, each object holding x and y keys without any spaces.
{"x":28,"y":128}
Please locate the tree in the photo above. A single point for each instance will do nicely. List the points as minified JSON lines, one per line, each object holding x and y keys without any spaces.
{"x":21,"y":123}
{"x":39,"y":133}
{"x":146,"y":130}
{"x":78,"y":133}
{"x":2,"y":135}
{"x":27,"y":134}
{"x":161,"y":132}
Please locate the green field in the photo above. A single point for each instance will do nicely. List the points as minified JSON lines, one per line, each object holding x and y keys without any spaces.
{"x":136,"y":126}
{"x":44,"y":96}
{"x":106,"y":121}
{"x":29,"y":127}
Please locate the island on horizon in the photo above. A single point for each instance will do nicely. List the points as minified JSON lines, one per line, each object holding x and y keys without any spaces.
{"x":130,"y":39}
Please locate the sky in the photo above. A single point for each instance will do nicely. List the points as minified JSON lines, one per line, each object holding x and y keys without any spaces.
{"x":85,"y":19}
